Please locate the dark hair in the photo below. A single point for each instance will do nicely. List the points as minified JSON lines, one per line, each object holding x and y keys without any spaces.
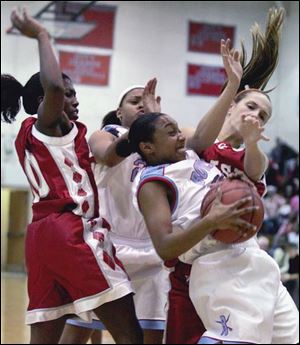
{"x":111,"y":118}
{"x":11,"y":92}
{"x":142,"y":129}
{"x":265,"y":51}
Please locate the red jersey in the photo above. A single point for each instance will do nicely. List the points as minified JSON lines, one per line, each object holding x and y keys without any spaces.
{"x":58,"y":170}
{"x":229,"y":160}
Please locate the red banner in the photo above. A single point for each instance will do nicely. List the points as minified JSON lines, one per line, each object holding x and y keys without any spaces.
{"x":85,"y":69}
{"x":102,"y":35}
{"x":205,"y":80}
{"x":205,"y":38}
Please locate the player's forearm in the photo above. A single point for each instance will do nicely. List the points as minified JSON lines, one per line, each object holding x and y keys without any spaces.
{"x":212,"y":122}
{"x":111,"y":156}
{"x":50,"y":72}
{"x":179,"y":241}
{"x":255,"y":162}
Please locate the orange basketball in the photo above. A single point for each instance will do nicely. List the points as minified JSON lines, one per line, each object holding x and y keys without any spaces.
{"x":233,"y":190}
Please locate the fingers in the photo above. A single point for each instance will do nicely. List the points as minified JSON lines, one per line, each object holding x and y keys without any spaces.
{"x":227,"y":44}
{"x":227,"y":52}
{"x":247,"y":227}
{"x":25,"y":13}
{"x":243,"y":118}
{"x":218,"y":194}
{"x":247,"y":180}
{"x":235,"y":175}
{"x":225,"y":47}
{"x":262,"y":136}
{"x":239,"y":203}
{"x":251,"y":119}
{"x":19,"y":17}
{"x":265,"y":138}
{"x":151,"y":103}
{"x":244,"y":228}
{"x":151,"y":85}
{"x":146,"y":89}
{"x":254,"y":125}
{"x":15,"y":19}
{"x":246,"y":210}
{"x":236,"y":55}
{"x":222,"y":47}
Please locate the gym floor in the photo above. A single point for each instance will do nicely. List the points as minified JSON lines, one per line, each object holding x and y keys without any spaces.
{"x":13,"y":306}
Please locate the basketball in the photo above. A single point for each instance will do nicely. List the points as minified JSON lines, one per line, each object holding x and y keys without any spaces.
{"x":234,"y":190}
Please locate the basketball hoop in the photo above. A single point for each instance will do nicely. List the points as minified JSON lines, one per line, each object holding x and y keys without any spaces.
{"x":63,"y":20}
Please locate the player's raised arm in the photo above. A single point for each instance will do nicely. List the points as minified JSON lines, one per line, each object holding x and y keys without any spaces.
{"x":212,"y":122}
{"x":50,"y":111}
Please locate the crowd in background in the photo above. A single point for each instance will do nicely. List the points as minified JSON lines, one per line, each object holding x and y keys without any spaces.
{"x":279,"y":234}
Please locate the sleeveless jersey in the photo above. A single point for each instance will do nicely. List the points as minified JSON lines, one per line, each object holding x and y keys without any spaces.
{"x":130,"y":236}
{"x":229,"y":160}
{"x":115,"y":187}
{"x":58,"y":170}
{"x":189,"y":180}
{"x":66,"y":232}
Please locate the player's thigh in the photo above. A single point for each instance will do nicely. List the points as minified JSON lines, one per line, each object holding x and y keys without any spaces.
{"x":286,"y":319}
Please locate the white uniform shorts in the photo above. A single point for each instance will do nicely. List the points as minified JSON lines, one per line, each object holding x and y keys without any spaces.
{"x":148,"y":275}
{"x":239,"y":297}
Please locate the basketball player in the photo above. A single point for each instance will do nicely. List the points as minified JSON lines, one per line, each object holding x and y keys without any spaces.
{"x":71,"y":263}
{"x":235,"y":288}
{"x":114,"y":176}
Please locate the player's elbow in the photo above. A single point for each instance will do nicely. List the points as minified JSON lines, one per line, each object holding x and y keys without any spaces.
{"x":255,"y":175}
{"x":196,"y":145}
{"x":165,"y":253}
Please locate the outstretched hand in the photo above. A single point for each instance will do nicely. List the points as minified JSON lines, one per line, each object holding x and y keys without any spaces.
{"x":27,"y":25}
{"x":251,"y":130}
{"x":150,"y":102}
{"x":231,"y":62}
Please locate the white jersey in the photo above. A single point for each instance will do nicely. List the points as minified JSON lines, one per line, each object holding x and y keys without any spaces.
{"x":189,"y":181}
{"x":130,"y":235}
{"x":115,"y":187}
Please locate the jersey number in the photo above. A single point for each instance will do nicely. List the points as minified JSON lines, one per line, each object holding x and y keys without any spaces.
{"x":39,"y":186}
